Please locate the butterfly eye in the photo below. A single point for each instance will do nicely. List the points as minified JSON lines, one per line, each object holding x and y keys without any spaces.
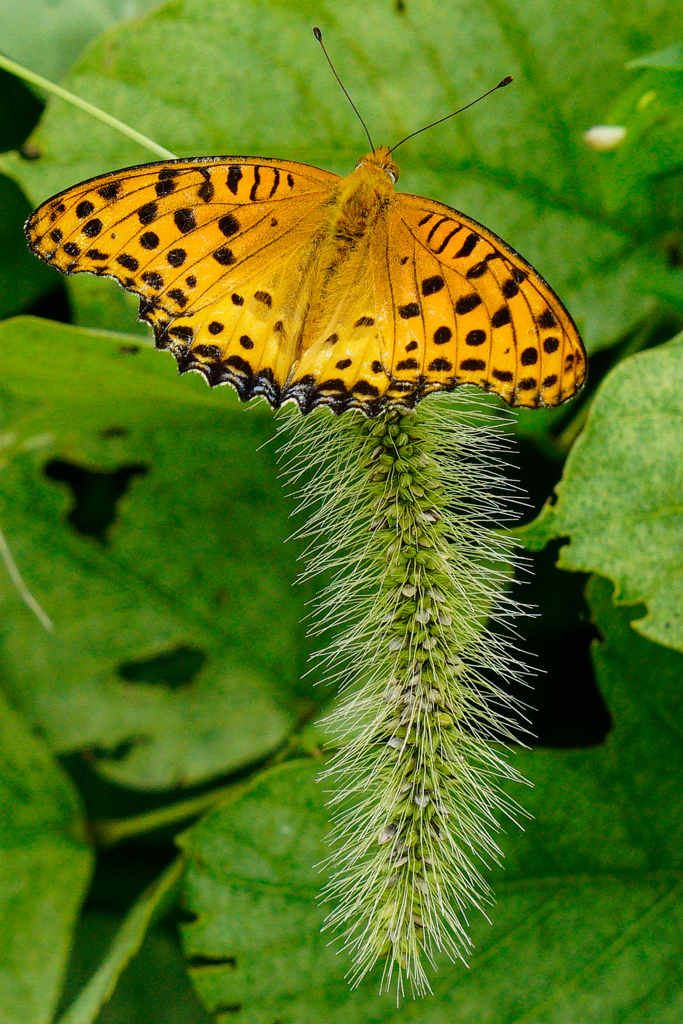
{"x":392,"y":174}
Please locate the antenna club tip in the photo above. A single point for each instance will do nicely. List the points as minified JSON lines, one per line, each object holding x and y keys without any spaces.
{"x":506,"y":81}
{"x":318,"y":34}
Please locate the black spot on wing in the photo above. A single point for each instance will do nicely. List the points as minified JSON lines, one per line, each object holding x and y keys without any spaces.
{"x":224,"y":256}
{"x":467,"y":246}
{"x":92,"y":228}
{"x":408,"y":311}
{"x":501,"y":317}
{"x":164,"y":188}
{"x":229,"y":225}
{"x":431,"y":285}
{"x":129,"y":262}
{"x":206,"y":191}
{"x":466,"y":303}
{"x":153,"y":279}
{"x":176,"y":257}
{"x":149,"y":240}
{"x":148,"y":213}
{"x":110,"y":191}
{"x":185,"y":220}
{"x":234,"y":177}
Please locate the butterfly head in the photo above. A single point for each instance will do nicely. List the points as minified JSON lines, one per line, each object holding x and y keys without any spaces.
{"x":381,"y":159}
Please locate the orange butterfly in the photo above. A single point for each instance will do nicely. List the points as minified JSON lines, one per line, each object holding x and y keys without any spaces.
{"x":288,"y":281}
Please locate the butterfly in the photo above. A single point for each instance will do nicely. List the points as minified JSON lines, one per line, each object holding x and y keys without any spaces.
{"x":288,"y":281}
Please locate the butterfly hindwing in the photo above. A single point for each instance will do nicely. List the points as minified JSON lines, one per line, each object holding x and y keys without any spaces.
{"x":508,"y":332}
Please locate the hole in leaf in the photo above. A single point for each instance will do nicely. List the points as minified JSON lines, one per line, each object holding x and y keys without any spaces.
{"x":213,"y":961}
{"x":174,"y":669}
{"x":95,"y":494}
{"x":115,"y":431}
{"x":184,"y":916}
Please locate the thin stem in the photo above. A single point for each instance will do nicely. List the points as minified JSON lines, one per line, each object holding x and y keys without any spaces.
{"x":89,"y":108}
{"x":88,"y":1003}
{"x":109,"y":833}
{"x":25,"y":594}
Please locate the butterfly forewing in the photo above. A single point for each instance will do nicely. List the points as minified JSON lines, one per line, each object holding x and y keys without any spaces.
{"x":214,"y":249}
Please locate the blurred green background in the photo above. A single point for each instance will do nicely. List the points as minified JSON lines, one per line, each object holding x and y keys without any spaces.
{"x":145,"y":513}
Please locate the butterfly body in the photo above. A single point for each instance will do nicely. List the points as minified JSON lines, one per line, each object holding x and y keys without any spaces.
{"x":288,"y":281}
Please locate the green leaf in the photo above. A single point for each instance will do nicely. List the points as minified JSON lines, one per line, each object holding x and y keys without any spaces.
{"x":44,"y":871}
{"x":641,"y":178}
{"x":48,"y":35}
{"x":620,"y":501}
{"x":177,"y":630}
{"x":210,"y":76}
{"x":588,"y":922}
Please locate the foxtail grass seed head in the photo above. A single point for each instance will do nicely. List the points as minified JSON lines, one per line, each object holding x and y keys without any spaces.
{"x":404,"y":513}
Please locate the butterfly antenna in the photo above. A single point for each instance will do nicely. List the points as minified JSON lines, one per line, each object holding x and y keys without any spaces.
{"x":506,"y":81}
{"x":319,"y":36}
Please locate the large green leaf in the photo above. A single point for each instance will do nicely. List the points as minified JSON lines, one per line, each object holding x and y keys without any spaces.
{"x":588,"y":924}
{"x":620,"y":500}
{"x":220,"y":76}
{"x":48,"y":35}
{"x":44,"y":870}
{"x":177,"y":647}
